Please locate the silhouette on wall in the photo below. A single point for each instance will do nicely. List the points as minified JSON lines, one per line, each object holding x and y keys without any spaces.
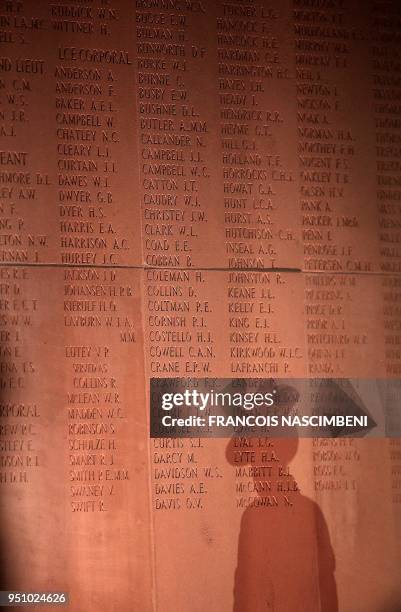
{"x":284,"y":551}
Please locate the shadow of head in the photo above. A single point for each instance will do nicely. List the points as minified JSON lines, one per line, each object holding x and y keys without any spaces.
{"x":285,"y":448}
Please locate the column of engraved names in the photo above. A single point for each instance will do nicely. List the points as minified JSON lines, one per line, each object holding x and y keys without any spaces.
{"x":92,"y":126}
{"x":24,"y":181}
{"x":26,"y":228}
{"x":342,"y":339}
{"x":182,"y":343}
{"x":20,"y":407}
{"x":258,"y":181}
{"x":386,"y":64}
{"x":24,"y":237}
{"x":175,"y":128}
{"x":173,"y":133}
{"x":173,"y":137}
{"x":330,"y":140}
{"x":97,"y":407}
{"x":256,"y":116}
{"x":99,"y":304}
{"x":386,"y":60}
{"x":335,"y":230}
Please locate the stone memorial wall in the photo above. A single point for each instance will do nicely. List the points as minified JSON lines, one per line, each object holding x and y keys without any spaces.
{"x":197,"y":189}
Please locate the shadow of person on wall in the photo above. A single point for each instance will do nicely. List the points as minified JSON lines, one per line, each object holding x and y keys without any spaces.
{"x":285,"y":558}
